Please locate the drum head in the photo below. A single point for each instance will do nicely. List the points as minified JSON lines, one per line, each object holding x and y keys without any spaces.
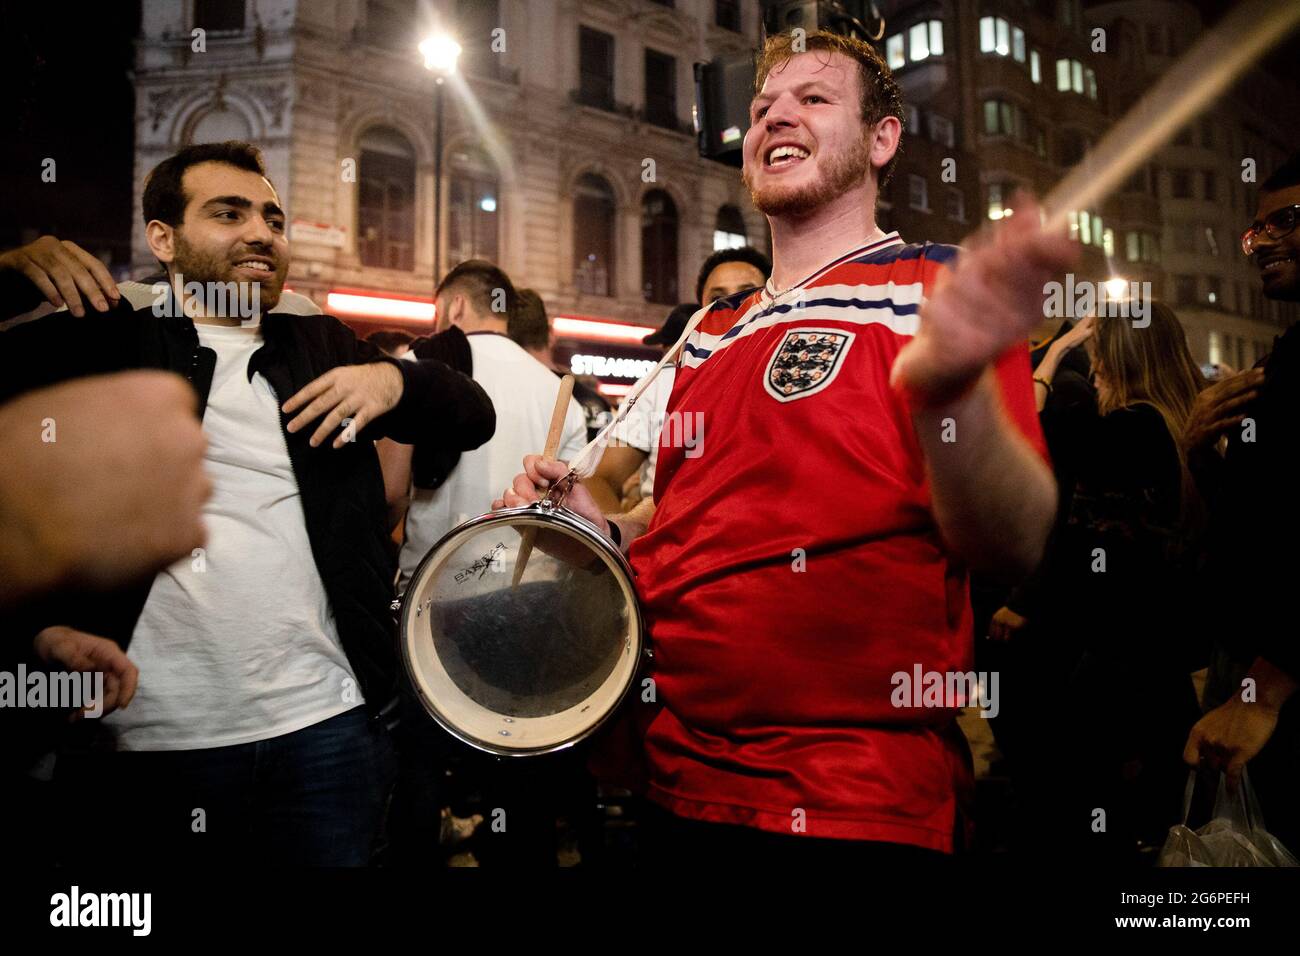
{"x":530,"y":667}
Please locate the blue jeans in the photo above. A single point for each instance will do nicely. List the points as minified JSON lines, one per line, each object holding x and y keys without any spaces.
{"x":315,"y":797}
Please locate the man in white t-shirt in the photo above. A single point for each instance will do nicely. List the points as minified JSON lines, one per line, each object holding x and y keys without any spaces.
{"x":266,"y":658}
{"x":635,"y":442}
{"x":477,"y":298}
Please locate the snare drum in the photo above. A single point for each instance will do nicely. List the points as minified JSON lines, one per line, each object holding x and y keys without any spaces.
{"x":526,"y":668}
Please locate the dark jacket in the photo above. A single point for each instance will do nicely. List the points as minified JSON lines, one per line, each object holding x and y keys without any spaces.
{"x":342,"y":490}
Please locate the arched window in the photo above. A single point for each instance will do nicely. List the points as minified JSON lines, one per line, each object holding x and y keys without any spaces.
{"x":386,"y":200}
{"x":659,"y":247}
{"x":729,"y":230}
{"x":593,"y":235}
{"x":473,"y":214}
{"x":217,"y":126}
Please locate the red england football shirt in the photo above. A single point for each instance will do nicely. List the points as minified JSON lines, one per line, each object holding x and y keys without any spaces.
{"x":793,"y":565}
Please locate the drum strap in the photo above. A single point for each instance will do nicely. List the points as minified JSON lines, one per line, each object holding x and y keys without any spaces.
{"x":584,"y":462}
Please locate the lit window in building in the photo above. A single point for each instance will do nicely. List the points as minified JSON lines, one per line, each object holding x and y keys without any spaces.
{"x":995,"y":207}
{"x":659,"y":247}
{"x":1035,"y":67}
{"x":1076,"y":76}
{"x":894,"y":51}
{"x":593,"y":236}
{"x":1132,"y":247}
{"x":1216,"y":348}
{"x":1063,"y":76}
{"x":936,"y":38}
{"x":918,"y":39}
{"x":1004,"y":38}
{"x":729,"y":229}
{"x":386,"y":200}
{"x":987,"y":38}
{"x":1090,"y":82}
{"x":1018,"y":44}
{"x":1108,"y":241}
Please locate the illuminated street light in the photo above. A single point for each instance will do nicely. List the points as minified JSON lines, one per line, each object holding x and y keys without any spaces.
{"x":1117,"y":287}
{"x":440,"y":54}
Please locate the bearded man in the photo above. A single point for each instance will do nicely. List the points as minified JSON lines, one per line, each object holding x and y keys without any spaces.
{"x":870,"y":436}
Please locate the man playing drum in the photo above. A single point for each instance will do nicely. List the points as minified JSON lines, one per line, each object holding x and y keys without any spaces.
{"x":869,"y":435}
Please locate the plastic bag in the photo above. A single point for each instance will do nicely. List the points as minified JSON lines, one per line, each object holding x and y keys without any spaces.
{"x":1235,"y":835}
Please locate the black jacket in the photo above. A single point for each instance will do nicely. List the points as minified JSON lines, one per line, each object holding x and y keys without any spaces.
{"x":342,"y":490}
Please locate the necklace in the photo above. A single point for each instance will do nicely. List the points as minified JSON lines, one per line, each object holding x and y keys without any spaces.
{"x":775,"y":293}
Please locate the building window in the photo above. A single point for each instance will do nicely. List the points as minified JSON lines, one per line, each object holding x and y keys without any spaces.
{"x":941,"y":130}
{"x":219,"y":16}
{"x":1035,"y":67}
{"x":894,"y":53}
{"x":593,"y":236}
{"x":1070,"y":78}
{"x":475,"y":21}
{"x":659,"y":248}
{"x":917,"y":196}
{"x":1018,"y":44}
{"x":955,"y":204}
{"x":1090,"y":82}
{"x":1180,"y":184}
{"x":1108,"y":242}
{"x":729,"y":231}
{"x":998,"y":194}
{"x":1155,"y":39}
{"x":1086,"y":227}
{"x":473,"y":213}
{"x":661,"y":89}
{"x":595,"y":68}
{"x":389,"y":24}
{"x":1185,"y":290}
{"x":925,"y":40}
{"x":1210,"y":185}
{"x":386,"y":201}
{"x":1141,"y":247}
{"x":1213,"y":291}
{"x":726,"y":14}
{"x":995,"y":36}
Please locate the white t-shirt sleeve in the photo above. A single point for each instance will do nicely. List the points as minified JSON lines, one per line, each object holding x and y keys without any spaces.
{"x":639,"y":429}
{"x":574,"y":436}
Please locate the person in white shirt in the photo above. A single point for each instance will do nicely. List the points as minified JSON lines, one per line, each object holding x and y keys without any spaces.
{"x":635,"y":445}
{"x":477,"y":297}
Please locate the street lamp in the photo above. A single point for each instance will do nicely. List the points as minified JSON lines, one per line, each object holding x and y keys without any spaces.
{"x":440,"y":54}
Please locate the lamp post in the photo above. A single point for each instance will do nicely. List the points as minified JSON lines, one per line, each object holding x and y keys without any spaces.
{"x":440,"y":55}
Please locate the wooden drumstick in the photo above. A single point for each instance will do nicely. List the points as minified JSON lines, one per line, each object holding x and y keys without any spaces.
{"x":529,"y":534}
{"x":1198,"y":77}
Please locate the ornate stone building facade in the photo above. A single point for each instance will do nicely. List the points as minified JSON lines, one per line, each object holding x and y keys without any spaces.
{"x":568,"y":154}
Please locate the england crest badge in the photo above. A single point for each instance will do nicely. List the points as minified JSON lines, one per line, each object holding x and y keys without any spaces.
{"x":805,"y":362}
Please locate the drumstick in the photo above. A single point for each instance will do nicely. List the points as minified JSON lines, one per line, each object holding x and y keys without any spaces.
{"x":529,"y":534}
{"x":1199,"y":76}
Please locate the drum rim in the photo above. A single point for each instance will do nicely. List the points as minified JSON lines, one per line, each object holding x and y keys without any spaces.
{"x":575,"y":522}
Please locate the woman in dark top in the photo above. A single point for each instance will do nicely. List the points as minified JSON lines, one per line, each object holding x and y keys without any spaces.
{"x":1115,"y":592}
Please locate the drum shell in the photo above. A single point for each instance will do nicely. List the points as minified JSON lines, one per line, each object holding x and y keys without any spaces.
{"x":544,"y":517}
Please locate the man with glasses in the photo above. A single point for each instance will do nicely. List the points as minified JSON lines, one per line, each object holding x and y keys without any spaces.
{"x":1255,"y":522}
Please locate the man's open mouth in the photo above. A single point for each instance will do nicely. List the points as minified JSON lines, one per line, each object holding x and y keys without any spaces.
{"x":257,"y":265}
{"x":1274,"y":263}
{"x":786,"y":156}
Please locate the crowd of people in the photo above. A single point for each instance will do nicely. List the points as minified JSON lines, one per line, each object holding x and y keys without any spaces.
{"x":219,"y":512}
